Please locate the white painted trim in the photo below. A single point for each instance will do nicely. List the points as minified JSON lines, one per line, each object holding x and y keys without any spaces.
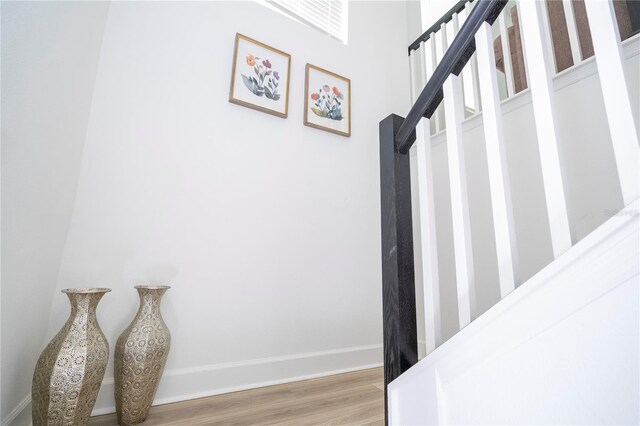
{"x":631,"y":46}
{"x":503,"y":224}
{"x":465,"y":280}
{"x":20,"y":415}
{"x":259,"y":361}
{"x":428,"y":239}
{"x":196,"y":382}
{"x":535,"y":40}
{"x":163,"y":401}
{"x":610,"y":63}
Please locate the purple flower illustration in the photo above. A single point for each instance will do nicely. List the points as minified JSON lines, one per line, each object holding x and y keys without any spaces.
{"x":266,"y":81}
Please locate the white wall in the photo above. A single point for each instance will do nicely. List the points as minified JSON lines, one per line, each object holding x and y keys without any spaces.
{"x":47,"y":81}
{"x":561,"y":349}
{"x":268,"y":231}
{"x":414,"y":21}
{"x":432,"y":10}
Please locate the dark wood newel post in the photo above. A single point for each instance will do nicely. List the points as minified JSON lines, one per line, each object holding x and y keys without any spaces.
{"x":398,"y":282}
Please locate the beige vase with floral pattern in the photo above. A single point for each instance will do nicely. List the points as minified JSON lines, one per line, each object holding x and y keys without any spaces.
{"x":69,"y":371}
{"x":140,"y":355}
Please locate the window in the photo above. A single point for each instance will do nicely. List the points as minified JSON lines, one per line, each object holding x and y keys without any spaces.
{"x":328,"y":16}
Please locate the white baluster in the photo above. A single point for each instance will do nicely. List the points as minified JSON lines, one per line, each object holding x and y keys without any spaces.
{"x":454,"y":115}
{"x":539,"y":73}
{"x":506,"y":52}
{"x":455,"y":27}
{"x":467,"y":81}
{"x":434,"y":63}
{"x":444,"y":45}
{"x":609,"y":59}
{"x":516,"y":6}
{"x":452,"y":29}
{"x":422,"y":66}
{"x":421,"y":61}
{"x":455,"y":21}
{"x":438,"y":36}
{"x":413,"y":75}
{"x":473,"y":66}
{"x":497,"y":163}
{"x":546,"y":29}
{"x":431,"y":280}
{"x":573,"y":31}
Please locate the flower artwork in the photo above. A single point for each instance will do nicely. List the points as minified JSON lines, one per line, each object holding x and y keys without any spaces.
{"x":260,"y":77}
{"x":266,"y":80}
{"x":327,"y":101}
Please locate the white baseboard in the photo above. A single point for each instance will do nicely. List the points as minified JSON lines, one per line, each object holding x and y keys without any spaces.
{"x":20,"y":415}
{"x":207,"y":380}
{"x":196,"y":382}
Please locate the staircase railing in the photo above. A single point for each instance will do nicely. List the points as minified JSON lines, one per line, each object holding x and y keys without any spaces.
{"x":453,"y":62}
{"x":398,"y":135}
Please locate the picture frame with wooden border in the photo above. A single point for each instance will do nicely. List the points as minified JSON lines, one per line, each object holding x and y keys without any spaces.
{"x":327,"y":101}
{"x":260,"y":77}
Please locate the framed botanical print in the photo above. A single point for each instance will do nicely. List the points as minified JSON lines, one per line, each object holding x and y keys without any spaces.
{"x":327,"y":101}
{"x":260,"y":77}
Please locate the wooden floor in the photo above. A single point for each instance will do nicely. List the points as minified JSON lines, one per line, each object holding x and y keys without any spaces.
{"x":351,"y":398}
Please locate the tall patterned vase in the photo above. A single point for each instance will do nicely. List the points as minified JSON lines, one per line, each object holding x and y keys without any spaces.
{"x":70,"y":369}
{"x":140,"y":356}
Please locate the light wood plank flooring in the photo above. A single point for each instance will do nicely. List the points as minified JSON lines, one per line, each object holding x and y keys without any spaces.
{"x":352,"y":398}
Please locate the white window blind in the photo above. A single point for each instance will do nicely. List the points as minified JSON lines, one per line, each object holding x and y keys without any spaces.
{"x":328,"y":16}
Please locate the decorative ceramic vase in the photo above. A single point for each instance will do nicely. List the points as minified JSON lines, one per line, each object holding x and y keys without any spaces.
{"x":140,"y":356}
{"x":69,"y":371}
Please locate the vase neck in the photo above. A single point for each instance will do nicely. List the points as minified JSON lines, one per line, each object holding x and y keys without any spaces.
{"x":84,"y":303}
{"x":150,"y":299}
